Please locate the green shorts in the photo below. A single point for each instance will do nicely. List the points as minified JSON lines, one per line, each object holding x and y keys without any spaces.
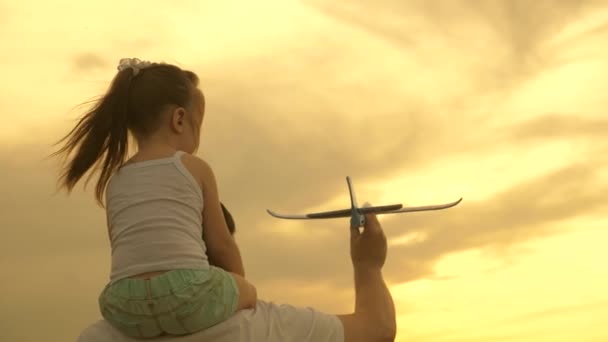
{"x":177,"y":302}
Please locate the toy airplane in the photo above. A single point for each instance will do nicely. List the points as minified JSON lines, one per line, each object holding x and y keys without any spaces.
{"x":357,"y":214}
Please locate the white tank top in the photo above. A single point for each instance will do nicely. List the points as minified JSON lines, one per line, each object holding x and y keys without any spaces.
{"x":154,"y":212}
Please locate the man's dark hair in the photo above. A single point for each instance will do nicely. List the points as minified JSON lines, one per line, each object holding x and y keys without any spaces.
{"x":229,"y":219}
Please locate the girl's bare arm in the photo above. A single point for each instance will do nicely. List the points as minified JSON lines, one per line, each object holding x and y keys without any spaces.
{"x":221,"y":247}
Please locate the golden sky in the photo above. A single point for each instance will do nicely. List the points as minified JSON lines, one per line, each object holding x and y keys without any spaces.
{"x":501,"y":102}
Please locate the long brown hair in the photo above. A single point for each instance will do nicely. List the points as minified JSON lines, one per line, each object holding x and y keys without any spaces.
{"x":132,"y":104}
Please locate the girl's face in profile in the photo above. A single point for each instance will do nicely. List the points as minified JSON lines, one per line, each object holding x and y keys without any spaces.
{"x":196,"y":115}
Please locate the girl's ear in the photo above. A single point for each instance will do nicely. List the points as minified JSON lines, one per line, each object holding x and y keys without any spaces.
{"x":178,"y":120}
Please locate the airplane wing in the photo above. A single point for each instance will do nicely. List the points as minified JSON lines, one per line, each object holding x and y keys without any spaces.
{"x":380,"y":209}
{"x":338,"y":213}
{"x":425,"y":208}
{"x":323,"y":215}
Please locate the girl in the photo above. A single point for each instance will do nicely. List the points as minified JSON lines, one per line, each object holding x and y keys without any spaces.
{"x":158,"y":203}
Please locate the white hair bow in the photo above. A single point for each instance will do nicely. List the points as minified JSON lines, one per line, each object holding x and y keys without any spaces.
{"x":134,"y":63}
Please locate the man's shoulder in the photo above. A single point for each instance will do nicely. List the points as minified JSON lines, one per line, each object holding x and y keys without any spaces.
{"x":102,"y":331}
{"x":303,"y":324}
{"x":267,"y":322}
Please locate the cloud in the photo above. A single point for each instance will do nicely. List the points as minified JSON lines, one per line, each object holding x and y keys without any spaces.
{"x":46,"y":280}
{"x":41,"y":222}
{"x":501,"y":44}
{"x":353,"y":14}
{"x":89,"y":61}
{"x":522,"y":25}
{"x":4,"y":16}
{"x":555,"y":126}
{"x":524,"y":212}
{"x":557,"y":311}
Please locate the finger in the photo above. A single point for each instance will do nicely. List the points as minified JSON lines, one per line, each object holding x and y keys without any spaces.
{"x":371,"y":221}
{"x":354,"y":232}
{"x":372,"y":225}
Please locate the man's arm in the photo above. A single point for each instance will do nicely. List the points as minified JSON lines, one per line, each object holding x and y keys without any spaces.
{"x":374,"y":317}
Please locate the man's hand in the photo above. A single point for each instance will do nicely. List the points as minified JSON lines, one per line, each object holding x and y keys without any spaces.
{"x":368,"y":248}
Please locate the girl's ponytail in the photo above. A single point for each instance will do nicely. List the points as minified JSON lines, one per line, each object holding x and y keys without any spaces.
{"x":133,"y":104}
{"x":100,"y":137}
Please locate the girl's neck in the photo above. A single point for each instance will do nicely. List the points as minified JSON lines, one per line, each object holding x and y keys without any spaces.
{"x":150,"y":151}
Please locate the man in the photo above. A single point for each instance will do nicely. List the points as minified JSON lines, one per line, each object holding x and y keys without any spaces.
{"x":372,"y":321}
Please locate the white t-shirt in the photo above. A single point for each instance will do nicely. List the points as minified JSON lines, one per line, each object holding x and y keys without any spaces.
{"x":268,"y":322}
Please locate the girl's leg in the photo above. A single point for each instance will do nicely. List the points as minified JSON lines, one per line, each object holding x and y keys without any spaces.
{"x":248,"y":295}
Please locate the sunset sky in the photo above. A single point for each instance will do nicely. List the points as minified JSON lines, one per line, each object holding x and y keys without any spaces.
{"x":500,"y":102}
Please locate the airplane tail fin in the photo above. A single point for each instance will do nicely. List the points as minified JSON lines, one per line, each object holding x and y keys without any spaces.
{"x":351,"y":190}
